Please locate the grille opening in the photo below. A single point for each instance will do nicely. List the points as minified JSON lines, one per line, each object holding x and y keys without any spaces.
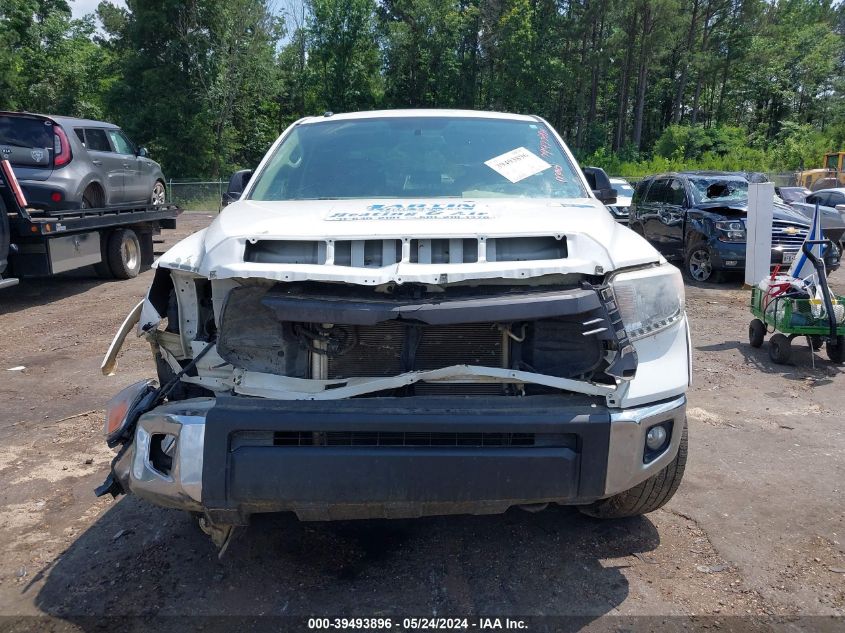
{"x":401,"y":439}
{"x":367,"y":253}
{"x":444,"y":251}
{"x":787,"y":234}
{"x":393,"y":439}
{"x":522,"y":249}
{"x":286,"y":252}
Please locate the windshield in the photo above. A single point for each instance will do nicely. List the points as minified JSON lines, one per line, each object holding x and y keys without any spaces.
{"x":418,"y":157}
{"x":719,"y":189}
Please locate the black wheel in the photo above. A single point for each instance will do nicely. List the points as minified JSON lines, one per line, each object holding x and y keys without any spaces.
{"x":159,"y":194}
{"x":124,"y":254}
{"x":93,"y":197}
{"x":836,"y":351}
{"x":103,"y":269}
{"x":756,"y":333}
{"x":646,"y":497}
{"x":780,"y":349}
{"x":698,"y":264}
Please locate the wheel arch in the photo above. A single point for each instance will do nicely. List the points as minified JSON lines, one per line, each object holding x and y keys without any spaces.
{"x":93,"y":182}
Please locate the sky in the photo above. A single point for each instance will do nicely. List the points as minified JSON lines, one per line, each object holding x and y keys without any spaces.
{"x":81,"y":7}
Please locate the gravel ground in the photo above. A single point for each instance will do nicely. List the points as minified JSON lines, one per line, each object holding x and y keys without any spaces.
{"x":757,"y":527}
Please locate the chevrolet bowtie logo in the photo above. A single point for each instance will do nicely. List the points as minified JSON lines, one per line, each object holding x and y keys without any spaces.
{"x":791,"y":230}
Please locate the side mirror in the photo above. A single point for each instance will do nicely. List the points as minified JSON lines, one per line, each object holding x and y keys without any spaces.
{"x":600,"y":184}
{"x":840,"y":208}
{"x":143,"y":152}
{"x":237,"y":184}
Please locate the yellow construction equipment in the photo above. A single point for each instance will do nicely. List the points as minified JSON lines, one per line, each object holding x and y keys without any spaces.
{"x":831,"y":175}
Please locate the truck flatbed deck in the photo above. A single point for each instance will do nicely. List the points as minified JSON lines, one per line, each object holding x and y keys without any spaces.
{"x":51,"y":222}
{"x":118,"y":240}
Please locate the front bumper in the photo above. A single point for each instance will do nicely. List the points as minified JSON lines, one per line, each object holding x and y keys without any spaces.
{"x":390,"y":457}
{"x":731,"y":256}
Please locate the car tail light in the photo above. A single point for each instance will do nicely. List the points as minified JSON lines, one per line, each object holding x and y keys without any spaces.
{"x":61,"y":147}
{"x":56,"y":196}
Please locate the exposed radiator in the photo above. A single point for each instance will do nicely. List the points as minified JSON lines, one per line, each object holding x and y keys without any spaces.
{"x":393,"y":347}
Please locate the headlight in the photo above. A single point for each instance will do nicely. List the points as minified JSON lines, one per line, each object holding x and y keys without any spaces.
{"x":731,"y":231}
{"x":119,"y":410}
{"x":649,"y":300}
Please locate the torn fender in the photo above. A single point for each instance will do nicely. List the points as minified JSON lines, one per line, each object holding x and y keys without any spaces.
{"x":187,"y":255}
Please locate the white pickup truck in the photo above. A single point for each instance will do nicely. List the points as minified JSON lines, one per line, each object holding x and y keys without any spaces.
{"x":408,"y":313}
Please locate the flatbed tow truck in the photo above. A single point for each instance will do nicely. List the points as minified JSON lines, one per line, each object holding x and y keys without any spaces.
{"x":117,"y":241}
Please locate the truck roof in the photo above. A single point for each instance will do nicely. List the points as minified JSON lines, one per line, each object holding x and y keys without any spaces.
{"x":380,"y":114}
{"x":63,"y":120}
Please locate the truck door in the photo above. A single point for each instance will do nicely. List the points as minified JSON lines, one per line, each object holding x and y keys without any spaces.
{"x":108,"y":165}
{"x":672,"y":218}
{"x":652,"y":209}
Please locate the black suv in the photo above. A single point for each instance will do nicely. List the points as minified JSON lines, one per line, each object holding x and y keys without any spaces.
{"x":699,"y":218}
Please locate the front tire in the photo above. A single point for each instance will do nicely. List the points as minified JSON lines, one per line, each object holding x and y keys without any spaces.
{"x":646,"y":497}
{"x":698,"y":264}
{"x":123,"y":254}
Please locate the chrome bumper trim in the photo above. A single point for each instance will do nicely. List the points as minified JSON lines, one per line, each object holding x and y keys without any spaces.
{"x":625,"y":467}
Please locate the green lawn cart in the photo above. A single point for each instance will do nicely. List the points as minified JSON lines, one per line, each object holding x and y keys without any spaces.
{"x":790,"y":317}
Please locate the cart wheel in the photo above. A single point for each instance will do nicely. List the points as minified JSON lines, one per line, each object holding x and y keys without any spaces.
{"x":756,"y":333}
{"x":836,"y":351}
{"x":815,"y":342}
{"x":779,"y":349}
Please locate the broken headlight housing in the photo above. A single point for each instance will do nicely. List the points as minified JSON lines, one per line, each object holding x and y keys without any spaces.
{"x":123,"y":409}
{"x":649,"y":299}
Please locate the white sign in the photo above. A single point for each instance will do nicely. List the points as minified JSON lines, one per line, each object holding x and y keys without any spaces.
{"x":517,"y":164}
{"x":758,"y":232}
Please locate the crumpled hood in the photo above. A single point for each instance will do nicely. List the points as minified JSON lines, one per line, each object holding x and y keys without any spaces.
{"x":595,"y":243}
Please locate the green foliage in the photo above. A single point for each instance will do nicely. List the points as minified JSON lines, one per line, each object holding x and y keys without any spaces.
{"x":343,"y":55}
{"x":634,"y":86}
{"x":691,"y":142}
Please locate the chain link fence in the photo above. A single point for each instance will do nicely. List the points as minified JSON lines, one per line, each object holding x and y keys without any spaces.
{"x":196,"y":195}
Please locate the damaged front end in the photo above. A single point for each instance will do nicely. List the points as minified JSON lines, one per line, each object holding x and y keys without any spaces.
{"x":502,"y":376}
{"x":326,"y":341}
